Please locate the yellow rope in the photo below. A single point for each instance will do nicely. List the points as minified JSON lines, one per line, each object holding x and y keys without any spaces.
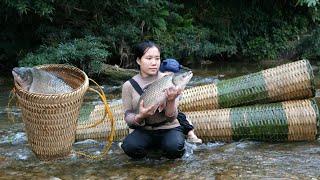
{"x":104,"y":100}
{"x":110,"y":137}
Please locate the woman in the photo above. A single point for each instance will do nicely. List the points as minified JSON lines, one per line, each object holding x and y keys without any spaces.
{"x":167,"y":136}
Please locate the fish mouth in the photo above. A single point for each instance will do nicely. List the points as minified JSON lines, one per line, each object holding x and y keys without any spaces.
{"x":15,"y":73}
{"x":14,"y":70}
{"x":189,"y":74}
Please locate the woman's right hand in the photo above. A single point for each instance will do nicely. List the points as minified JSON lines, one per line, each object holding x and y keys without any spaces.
{"x":145,"y":112}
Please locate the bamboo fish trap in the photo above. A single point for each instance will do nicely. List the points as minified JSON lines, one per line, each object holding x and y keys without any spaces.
{"x":296,"y":120}
{"x":286,"y":82}
{"x":90,"y":114}
{"x":51,"y":119}
{"x":286,"y":121}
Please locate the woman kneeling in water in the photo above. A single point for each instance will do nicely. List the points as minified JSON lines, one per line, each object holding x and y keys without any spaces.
{"x":167,"y":136}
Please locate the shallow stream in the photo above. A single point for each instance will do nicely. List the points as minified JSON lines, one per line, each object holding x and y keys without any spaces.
{"x":212,"y":160}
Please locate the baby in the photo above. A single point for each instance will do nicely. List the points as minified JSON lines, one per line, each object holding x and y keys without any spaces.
{"x":173,"y":66}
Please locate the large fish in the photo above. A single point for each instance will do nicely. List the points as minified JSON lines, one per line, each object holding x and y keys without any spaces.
{"x":155,"y":94}
{"x":39,"y":81}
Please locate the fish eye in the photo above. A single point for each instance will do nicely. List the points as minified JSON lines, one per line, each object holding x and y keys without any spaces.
{"x":25,"y":78}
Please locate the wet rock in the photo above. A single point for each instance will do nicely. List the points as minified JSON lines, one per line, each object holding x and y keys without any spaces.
{"x":19,"y":154}
{"x":19,"y":138}
{"x":14,"y":139}
{"x":88,"y":141}
{"x":67,"y":177}
{"x":54,"y":178}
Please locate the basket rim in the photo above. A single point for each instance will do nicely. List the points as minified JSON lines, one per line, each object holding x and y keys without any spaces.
{"x":312,"y":79}
{"x":86,"y":81}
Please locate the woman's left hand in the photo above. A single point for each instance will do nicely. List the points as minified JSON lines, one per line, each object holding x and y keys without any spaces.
{"x":172,"y":93}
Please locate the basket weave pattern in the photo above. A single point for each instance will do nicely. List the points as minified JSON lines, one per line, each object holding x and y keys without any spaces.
{"x":51,"y":119}
{"x":212,"y":124}
{"x":201,"y":98}
{"x":287,"y":121}
{"x":290,"y":81}
{"x":299,"y":129}
{"x":286,"y":82}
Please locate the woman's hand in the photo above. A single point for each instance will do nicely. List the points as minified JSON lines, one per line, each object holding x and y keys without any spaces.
{"x":172,"y":93}
{"x":171,"y":105}
{"x":145,"y":112}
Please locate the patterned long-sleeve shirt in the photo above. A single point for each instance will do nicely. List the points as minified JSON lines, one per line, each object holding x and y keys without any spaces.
{"x":130,"y":100}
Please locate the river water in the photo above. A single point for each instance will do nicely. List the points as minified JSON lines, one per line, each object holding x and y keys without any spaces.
{"x":213,"y":160}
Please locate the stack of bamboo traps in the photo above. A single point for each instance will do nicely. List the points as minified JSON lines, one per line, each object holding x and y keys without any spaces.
{"x":271,"y":105}
{"x":286,"y":82}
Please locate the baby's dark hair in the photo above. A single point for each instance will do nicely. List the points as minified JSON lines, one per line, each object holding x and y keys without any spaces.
{"x":143,"y":47}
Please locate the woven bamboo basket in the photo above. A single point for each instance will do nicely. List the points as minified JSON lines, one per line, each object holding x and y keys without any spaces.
{"x":51,"y":119}
{"x":290,"y":81}
{"x":296,"y":120}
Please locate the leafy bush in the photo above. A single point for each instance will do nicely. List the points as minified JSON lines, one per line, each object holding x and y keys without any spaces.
{"x":87,"y":53}
{"x":260,"y":48}
{"x":196,"y":30}
{"x":310,"y":45}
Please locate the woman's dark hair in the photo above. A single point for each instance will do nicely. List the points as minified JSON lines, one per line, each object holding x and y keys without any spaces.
{"x":143,"y":47}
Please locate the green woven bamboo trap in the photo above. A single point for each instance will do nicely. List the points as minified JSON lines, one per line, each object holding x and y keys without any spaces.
{"x":286,"y":121}
{"x":286,"y":82}
{"x":91,"y":114}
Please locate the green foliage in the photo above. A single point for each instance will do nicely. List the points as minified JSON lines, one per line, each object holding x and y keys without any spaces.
{"x":309,"y":3}
{"x":280,"y":40}
{"x":254,"y":29}
{"x":151,"y":14}
{"x":40,"y":7}
{"x":121,"y":38}
{"x":260,"y":48}
{"x":310,"y":45}
{"x":51,"y":35}
{"x":87,"y":53}
{"x":264,"y":33}
{"x":193,"y":42}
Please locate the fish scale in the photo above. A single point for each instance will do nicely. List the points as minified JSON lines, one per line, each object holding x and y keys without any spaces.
{"x":39,"y":81}
{"x":155,"y":93}
{"x":156,"y":90}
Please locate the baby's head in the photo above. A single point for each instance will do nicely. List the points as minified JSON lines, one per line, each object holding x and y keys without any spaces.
{"x":170,"y":65}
